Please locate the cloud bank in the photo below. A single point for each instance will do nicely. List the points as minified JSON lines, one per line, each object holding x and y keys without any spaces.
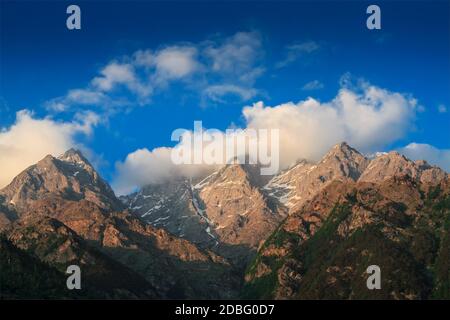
{"x":224,"y":66}
{"x":366,"y":116}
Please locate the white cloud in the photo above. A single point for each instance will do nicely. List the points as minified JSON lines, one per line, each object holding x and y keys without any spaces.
{"x":237,"y":56}
{"x":433,"y":155}
{"x":144,"y":58}
{"x":296,"y":51}
{"x":232,"y":63}
{"x":368,"y":120}
{"x":86,"y":96}
{"x":313,"y":85}
{"x":442,"y":108}
{"x":367,"y":117}
{"x":30,"y":139}
{"x":236,"y":63}
{"x":142,"y":167}
{"x":85,"y":121}
{"x":78,"y":97}
{"x":170,"y":63}
{"x":176,"y":62}
{"x":114,"y":74}
{"x":216,"y":93}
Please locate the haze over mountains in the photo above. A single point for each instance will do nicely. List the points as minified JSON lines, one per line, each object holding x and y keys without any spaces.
{"x":308,"y":232}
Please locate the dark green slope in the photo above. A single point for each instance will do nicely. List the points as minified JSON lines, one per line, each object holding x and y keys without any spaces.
{"x":414,"y":264}
{"x":23,"y":276}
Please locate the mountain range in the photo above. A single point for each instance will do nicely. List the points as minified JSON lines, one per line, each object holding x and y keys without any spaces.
{"x":308,"y":232}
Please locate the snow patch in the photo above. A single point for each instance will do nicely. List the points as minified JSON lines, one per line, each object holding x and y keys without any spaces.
{"x":160,"y":219}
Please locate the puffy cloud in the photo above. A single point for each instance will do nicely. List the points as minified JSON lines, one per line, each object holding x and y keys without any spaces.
{"x":368,"y":120}
{"x":366,"y":116}
{"x":295,"y":51}
{"x":176,"y":62}
{"x":313,"y":85}
{"x":223,"y":64}
{"x":421,"y":151}
{"x":237,"y":56}
{"x":100,"y":90}
{"x":143,"y":58}
{"x":142,"y":167}
{"x":115,"y":74}
{"x":79,"y":97}
{"x":170,"y":63}
{"x":30,"y":139}
{"x":235,"y":62}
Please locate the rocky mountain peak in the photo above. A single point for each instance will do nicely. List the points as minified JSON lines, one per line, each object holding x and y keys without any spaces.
{"x":342,"y":152}
{"x":235,"y":207}
{"x":393,"y":164}
{"x":343,"y":148}
{"x":224,"y":211}
{"x":69,"y":176}
{"x":76,"y":158}
{"x":73,"y":155}
{"x":244,"y":173}
{"x":295,"y":186}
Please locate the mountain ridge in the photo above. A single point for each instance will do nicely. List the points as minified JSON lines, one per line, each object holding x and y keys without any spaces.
{"x":235,"y":228}
{"x":68,"y":191}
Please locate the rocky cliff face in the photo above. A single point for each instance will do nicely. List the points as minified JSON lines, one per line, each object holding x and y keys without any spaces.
{"x":173,"y":206}
{"x":346,"y":196}
{"x":69,"y":176}
{"x":322,"y":250}
{"x":66,"y":214}
{"x":298,"y":184}
{"x":237,"y":211}
{"x":225,"y":212}
{"x":55,"y":244}
{"x":176,"y":267}
{"x":393,"y":164}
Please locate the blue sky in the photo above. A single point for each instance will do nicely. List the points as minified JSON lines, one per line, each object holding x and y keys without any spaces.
{"x":233,"y":54}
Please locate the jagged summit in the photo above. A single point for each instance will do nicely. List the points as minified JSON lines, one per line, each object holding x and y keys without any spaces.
{"x":241,"y":172}
{"x":74,"y":156}
{"x":343,"y":151}
{"x":393,"y":164}
{"x":222,"y":210}
{"x":69,"y":176}
{"x":344,"y":147}
{"x":226,"y":202}
{"x":72,"y":152}
{"x":82,"y":206}
{"x":298,"y":184}
{"x":231,"y":212}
